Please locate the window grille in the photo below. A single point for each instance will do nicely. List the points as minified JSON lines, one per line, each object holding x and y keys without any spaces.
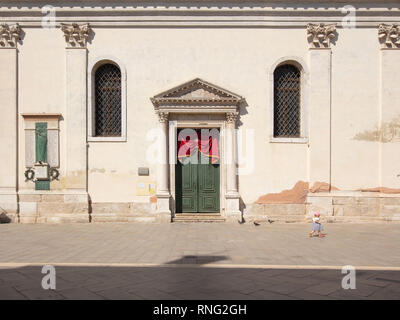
{"x":287,"y":101}
{"x":108,"y":117}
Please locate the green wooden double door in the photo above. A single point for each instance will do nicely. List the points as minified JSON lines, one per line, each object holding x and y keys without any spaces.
{"x":197,"y":185}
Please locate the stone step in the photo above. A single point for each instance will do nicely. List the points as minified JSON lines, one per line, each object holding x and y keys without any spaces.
{"x":198,"y":217}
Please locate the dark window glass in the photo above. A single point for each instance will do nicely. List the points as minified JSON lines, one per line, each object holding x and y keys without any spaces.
{"x":108,"y":101}
{"x":287,"y":101}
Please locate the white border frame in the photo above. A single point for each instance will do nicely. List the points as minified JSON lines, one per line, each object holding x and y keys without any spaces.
{"x":93,"y":65}
{"x":304,"y":87}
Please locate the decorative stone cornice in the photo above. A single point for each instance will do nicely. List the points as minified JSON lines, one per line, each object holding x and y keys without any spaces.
{"x":197,"y":96}
{"x":76,"y":35}
{"x":170,"y":13}
{"x":389,"y":36}
{"x":320,"y":35}
{"x":9,"y":35}
{"x":231,"y":117}
{"x":162,"y":116}
{"x":194,"y":94}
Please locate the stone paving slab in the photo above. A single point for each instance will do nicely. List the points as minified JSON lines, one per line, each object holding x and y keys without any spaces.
{"x":202,"y":285}
{"x":201,"y":243}
{"x":199,"y":261}
{"x":181,"y":282}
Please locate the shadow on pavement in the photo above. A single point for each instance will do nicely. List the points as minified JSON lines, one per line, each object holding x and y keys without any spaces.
{"x":198,"y":260}
{"x":183,"y":282}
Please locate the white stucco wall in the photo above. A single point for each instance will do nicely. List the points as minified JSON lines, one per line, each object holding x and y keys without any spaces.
{"x":237,"y":59}
{"x":41,"y":88}
{"x":355,"y":108}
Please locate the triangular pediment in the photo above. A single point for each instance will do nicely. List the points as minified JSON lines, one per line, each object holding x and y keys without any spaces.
{"x":197,"y":91}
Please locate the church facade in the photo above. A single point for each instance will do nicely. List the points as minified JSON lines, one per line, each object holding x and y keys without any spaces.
{"x":206,"y":111}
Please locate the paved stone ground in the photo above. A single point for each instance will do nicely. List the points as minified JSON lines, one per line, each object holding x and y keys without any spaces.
{"x":198,"y":261}
{"x":182,"y":283}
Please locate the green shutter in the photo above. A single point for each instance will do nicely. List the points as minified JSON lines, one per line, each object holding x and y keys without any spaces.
{"x":41,"y":141}
{"x":41,"y":151}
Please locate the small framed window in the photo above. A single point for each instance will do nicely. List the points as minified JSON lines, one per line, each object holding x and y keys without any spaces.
{"x":106,"y":101}
{"x":287,"y":113}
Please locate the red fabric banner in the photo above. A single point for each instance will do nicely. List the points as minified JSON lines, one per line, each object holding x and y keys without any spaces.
{"x":207,"y":145}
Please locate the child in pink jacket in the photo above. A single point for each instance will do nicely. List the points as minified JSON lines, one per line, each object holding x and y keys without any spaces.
{"x":317,"y":226}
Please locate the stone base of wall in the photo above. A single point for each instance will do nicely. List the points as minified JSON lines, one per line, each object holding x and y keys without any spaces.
{"x":8,"y":207}
{"x":125,"y":212}
{"x":277,"y":212}
{"x":53,"y":208}
{"x":334,"y":207}
{"x":64,"y":208}
{"x":73,"y":208}
{"x":355,"y":206}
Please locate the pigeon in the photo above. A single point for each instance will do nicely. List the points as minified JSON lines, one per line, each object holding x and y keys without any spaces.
{"x":256,"y":223}
{"x":271,"y":221}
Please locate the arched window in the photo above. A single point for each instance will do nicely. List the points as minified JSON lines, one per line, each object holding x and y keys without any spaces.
{"x":287,"y":113}
{"x":107,"y":115}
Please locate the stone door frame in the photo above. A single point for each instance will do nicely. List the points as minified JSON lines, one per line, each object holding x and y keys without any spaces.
{"x":174,"y":125}
{"x":185,"y":105}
